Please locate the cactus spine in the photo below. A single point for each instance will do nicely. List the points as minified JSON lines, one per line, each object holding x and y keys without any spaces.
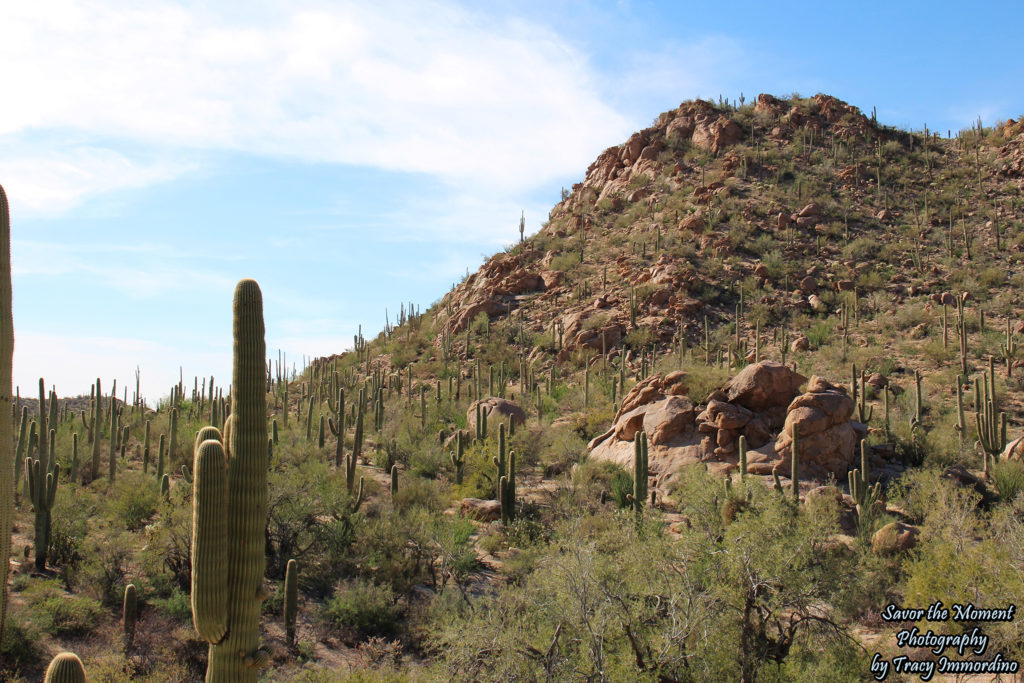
{"x":97,"y":417}
{"x":743,"y":457}
{"x":7,"y":464}
{"x":230,"y":511}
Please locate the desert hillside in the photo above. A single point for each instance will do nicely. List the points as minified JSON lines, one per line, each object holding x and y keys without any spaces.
{"x":755,"y":380}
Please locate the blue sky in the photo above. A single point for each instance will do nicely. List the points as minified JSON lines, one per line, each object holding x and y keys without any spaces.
{"x":355,"y":156}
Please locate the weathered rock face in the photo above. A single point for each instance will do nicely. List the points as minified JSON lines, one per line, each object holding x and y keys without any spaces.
{"x":501,"y":276}
{"x":827,"y":439}
{"x":764,"y":385}
{"x":498,"y":410}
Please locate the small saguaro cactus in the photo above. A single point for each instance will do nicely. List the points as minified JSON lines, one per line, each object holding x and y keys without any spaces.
{"x":394,"y":480}
{"x":291,"y":601}
{"x":794,"y":463}
{"x":129,"y":612}
{"x":458,"y":458}
{"x":639,"y":495}
{"x":65,"y":668}
{"x":229,"y":511}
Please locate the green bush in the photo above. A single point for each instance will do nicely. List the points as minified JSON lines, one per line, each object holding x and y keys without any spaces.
{"x":133,"y":500}
{"x":1008,"y":477}
{"x":57,"y":613}
{"x":363,"y":606}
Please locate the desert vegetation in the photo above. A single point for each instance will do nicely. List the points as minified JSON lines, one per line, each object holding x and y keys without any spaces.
{"x":755,"y":380}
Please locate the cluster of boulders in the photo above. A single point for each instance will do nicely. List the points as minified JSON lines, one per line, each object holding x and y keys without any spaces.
{"x":762,"y":403}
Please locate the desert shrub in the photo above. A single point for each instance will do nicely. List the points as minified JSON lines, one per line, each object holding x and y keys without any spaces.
{"x":364,"y":607}
{"x":167,"y":556}
{"x":177,"y":606}
{"x":820,"y":333}
{"x":54,"y":612}
{"x":621,"y":486}
{"x":19,"y":645}
{"x":132,"y":500}
{"x":1008,"y":477}
{"x":105,"y":561}
{"x":309,"y":519}
{"x":611,"y":593}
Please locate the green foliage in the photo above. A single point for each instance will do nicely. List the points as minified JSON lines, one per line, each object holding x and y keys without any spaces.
{"x":363,"y":607}
{"x":53,"y":611}
{"x":1008,"y":478}
{"x":133,"y":500}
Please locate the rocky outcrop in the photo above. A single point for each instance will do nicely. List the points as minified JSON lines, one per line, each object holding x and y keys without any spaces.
{"x":752,"y":405}
{"x":827,"y":438}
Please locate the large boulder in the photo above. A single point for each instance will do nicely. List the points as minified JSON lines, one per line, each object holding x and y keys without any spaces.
{"x":893,"y":538}
{"x":827,"y":438}
{"x":498,"y":410}
{"x":764,"y":385}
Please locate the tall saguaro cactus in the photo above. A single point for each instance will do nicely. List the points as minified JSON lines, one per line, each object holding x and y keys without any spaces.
{"x":227,"y":558}
{"x":6,"y":439}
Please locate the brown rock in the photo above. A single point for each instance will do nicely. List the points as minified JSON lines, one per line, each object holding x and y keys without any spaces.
{"x":764,"y":385}
{"x":801,"y":343}
{"x":1014,"y":450}
{"x":694,"y":222}
{"x":812,"y":209}
{"x":480,"y":510}
{"x":715,"y":133}
{"x":490,"y":305}
{"x":645,"y":391}
{"x":681,"y":127}
{"x":668,"y":419}
{"x":821,"y":418}
{"x":498,"y":410}
{"x":895,"y":537}
{"x":783,"y":220}
{"x":809,"y":284}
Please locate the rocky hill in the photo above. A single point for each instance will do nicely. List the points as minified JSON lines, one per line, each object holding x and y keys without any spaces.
{"x":754,"y":383}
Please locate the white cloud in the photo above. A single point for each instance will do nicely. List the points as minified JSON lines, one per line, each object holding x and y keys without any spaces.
{"x":424,"y":87}
{"x":53,"y":180}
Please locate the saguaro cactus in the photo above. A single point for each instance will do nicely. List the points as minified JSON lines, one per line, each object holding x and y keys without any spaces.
{"x":129,"y":612}
{"x":291,"y":601}
{"x":639,"y":495}
{"x":65,"y":668}
{"x":230,"y":511}
{"x":6,"y":439}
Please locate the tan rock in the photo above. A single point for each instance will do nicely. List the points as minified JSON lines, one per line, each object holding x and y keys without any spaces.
{"x":498,"y":410}
{"x":479,"y":509}
{"x":668,"y":419}
{"x":764,"y":385}
{"x":895,"y":537}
